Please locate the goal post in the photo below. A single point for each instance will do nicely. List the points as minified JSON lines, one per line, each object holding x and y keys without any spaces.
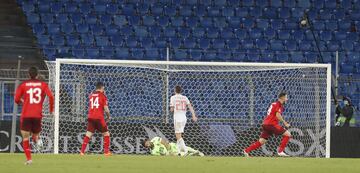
{"x":230,"y":98}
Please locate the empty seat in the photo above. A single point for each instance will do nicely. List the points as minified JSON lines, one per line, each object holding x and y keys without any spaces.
{"x":122,"y":53}
{"x":161,"y":42}
{"x":111,"y":30}
{"x":220,"y":22}
{"x":276,"y":24}
{"x":248,"y":3}
{"x":146,"y":42}
{"x":247,"y":23}
{"x":311,"y":57}
{"x":102,"y":41}
{"x":39,"y":29}
{"x":227,"y":33}
{"x":137,"y":53}
{"x":128,"y":9}
{"x":198,"y":32}
{"x":191,"y":22}
{"x":105,"y":19}
{"x":262,"y":23}
{"x":305,"y":45}
{"x":170,"y":10}
{"x":233,"y":44}
{"x":43,"y":40}
{"x":297,"y":12}
{"x":206,"y":22}
{"x":33,"y":18}
{"x":177,"y":21}
{"x":107,"y":52}
{"x":58,"y":40}
{"x":155,"y":31}
{"x":143,"y":9}
{"x":134,"y":20}
{"x":47,"y":18}
{"x":180,"y":55}
{"x":87,"y":40}
{"x":120,"y":20}
{"x":97,"y":29}
{"x":212,"y":32}
{"x":112,"y":8}
{"x":77,"y":18}
{"x":255,"y":12}
{"x":91,"y":19}
{"x":157,"y":9}
{"x":325,"y":35}
{"x":175,"y":43}
{"x":85,"y":8}
{"x":72,"y":40}
{"x":332,"y":45}
{"x":152,"y":54}
{"x":269,"y":13}
{"x":228,"y":11}
{"x":53,"y":28}
{"x":240,"y":33}
{"x":61,"y":18}
{"x":269,"y":33}
{"x":282,"y":57}
{"x":131,"y":42}
{"x":276,"y":45}
{"x":117,"y":41}
{"x":284,"y":34}
{"x":318,"y":24}
{"x":347,"y":45}
{"x":331,"y":25}
{"x":284,"y":13}
{"x":204,"y":43}
{"x":298,"y":57}
{"x":261,"y":44}
{"x":70,"y":7}
{"x":346,"y":68}
{"x":127,"y":31}
{"x":195,"y":55}
{"x":234,"y":22}
{"x":325,"y":14}
{"x":353,"y":57}
{"x":218,"y":44}
{"x":148,"y":20}
{"x":290,"y":45}
{"x":255,"y":33}
{"x":170,"y":32}
{"x":185,"y":10}
{"x":82,"y":28}
{"x":92,"y":52}
{"x":140,"y":31}
{"x":189,"y":43}
{"x":163,"y":21}
{"x":213,"y":11}
{"x":199,"y":10}
{"x":247,"y":44}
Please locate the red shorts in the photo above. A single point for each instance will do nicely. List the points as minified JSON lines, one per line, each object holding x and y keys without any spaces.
{"x":97,"y":124}
{"x":30,"y":124}
{"x":268,"y":130}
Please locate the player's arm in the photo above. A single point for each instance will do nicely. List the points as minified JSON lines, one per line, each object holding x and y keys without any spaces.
{"x":191,"y":108}
{"x":51,"y":98}
{"x":107,"y":113}
{"x":280,"y":118}
{"x":172,"y":105}
{"x":19,"y":94}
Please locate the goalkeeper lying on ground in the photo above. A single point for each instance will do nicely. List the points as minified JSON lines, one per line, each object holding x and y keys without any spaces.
{"x":160,"y":147}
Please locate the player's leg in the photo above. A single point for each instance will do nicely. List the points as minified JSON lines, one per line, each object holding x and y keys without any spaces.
{"x":87,"y":137}
{"x":36,"y":129}
{"x":265,"y":134}
{"x":284,"y":141}
{"x":25,"y":129}
{"x":179,"y":129}
{"x":104,"y":130}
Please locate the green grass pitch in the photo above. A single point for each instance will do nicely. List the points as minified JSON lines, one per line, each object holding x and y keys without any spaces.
{"x":50,"y":163}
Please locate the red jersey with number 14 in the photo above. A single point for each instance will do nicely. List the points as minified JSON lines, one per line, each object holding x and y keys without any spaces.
{"x":97,"y":102}
{"x":32,"y":93}
{"x":271,"y":118}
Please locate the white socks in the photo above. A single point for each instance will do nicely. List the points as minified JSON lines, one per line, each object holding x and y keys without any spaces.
{"x":181,"y":145}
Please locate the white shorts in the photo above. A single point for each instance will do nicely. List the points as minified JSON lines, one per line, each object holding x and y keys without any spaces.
{"x":179,"y":127}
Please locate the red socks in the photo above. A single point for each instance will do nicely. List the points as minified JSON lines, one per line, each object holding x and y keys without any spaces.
{"x":106,"y":144}
{"x":283,"y":143}
{"x":27,"y":149}
{"x":253,"y":146}
{"x":84,"y":144}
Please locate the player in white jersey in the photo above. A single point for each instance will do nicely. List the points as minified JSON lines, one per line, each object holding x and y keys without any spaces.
{"x":178,"y":105}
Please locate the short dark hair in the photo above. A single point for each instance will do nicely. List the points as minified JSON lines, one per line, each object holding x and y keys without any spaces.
{"x":33,"y":72}
{"x":144,"y":141}
{"x":282,"y":94}
{"x":178,"y":89}
{"x":99,"y":85}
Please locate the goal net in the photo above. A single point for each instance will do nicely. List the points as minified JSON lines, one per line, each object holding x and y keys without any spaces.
{"x":230,"y":100}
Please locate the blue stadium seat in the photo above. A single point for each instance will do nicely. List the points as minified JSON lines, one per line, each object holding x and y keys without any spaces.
{"x":346,"y":4}
{"x":39,"y":29}
{"x":163,"y":21}
{"x":87,"y":40}
{"x":290,"y":45}
{"x":53,"y":28}
{"x":311,"y":57}
{"x":92,"y":52}
{"x":189,"y":43}
{"x":112,"y":8}
{"x":328,"y":57}
{"x":220,"y":22}
{"x":234,"y":22}
{"x":105,"y":19}
{"x":134,"y":20}
{"x":131,"y":42}
{"x":318,"y":24}
{"x":282,"y":57}
{"x":28,"y":7}
{"x":33,"y":18}
{"x":212,"y":32}
{"x":161,"y":42}
{"x":233,"y":44}
{"x":247,"y":44}
{"x":183,"y":32}
{"x":127,"y":31}
{"x":276,"y":24}
{"x":175,"y":43}
{"x":248,"y":3}
{"x":146,"y":42}
{"x":305,"y":45}
{"x":117,"y":41}
{"x":128,"y":9}
{"x":47,"y":18}
{"x":291,"y":23}
{"x":177,"y":21}
{"x":227,"y":33}
{"x":155,"y":31}
{"x":199,"y":10}
{"x":239,"y":56}
{"x":241,"y":12}
{"x":353,"y":57}
{"x":169,"y":32}
{"x":228,"y":11}
{"x":283,"y":34}
{"x":318,"y":4}
{"x":120,"y":20}
{"x":170,"y":10}
{"x":122,"y":53}
{"x":61,"y":18}
{"x":143,"y":9}
{"x":261,"y":44}
{"x":67,"y":28}
{"x":198,"y":32}
{"x":355,"y":14}
{"x":140,"y":31}
{"x":195,"y":55}
{"x":276,"y":45}
{"x":70,"y":7}
{"x":298,"y":57}
{"x":284,"y":13}
{"x":137,"y":53}
{"x":330,"y":3}
{"x":43,"y":40}
{"x":206,"y":22}
{"x":107,"y":52}
{"x":340,"y":35}
{"x":72,"y":40}
{"x":347,"y":45}
{"x":224,"y":55}
{"x":267,"y":56}
{"x":255,"y":33}
{"x":262,"y":3}
{"x":270,"y":13}
{"x":148,"y":20}
{"x":102,"y":41}
{"x":325,"y":35}
{"x":213,"y":11}
{"x":346,"y":68}
{"x":247,"y":23}
{"x":157,"y":10}
{"x":352,"y":36}
{"x":289,"y":3}
{"x":240,"y":33}
{"x":255,"y":12}
{"x":44,"y":7}
{"x":91,"y":19}
{"x":269,"y":33}
{"x":58,"y":40}
{"x":85,"y":8}
{"x":97,"y":29}
{"x":185,"y":11}
{"x":339,"y":13}
{"x":332,"y":45}
{"x":180,"y":55}
{"x":152,"y":54}
{"x":331,"y":25}
{"x":262,"y":23}
{"x":82,"y":28}
{"x":204,"y":43}
{"x":77,"y":18}
{"x":344,"y":24}
{"x":297,"y":12}
{"x":218,"y":43}
{"x":49,"y":52}
{"x":325,"y":14}
{"x":111,"y":30}
{"x":191,"y":22}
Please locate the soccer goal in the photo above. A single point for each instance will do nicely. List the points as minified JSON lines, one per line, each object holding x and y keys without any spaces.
{"x":231,"y":99}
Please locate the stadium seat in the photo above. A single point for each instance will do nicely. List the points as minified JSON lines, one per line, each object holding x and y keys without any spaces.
{"x":39,"y":29}
{"x":282,"y":57}
{"x":87,"y":40}
{"x":97,"y":29}
{"x":47,"y":18}
{"x":218,"y":43}
{"x":276,"y":45}
{"x":234,"y":22}
{"x":28,"y":7}
{"x":276,"y":24}
{"x":175,"y":43}
{"x":332,"y":45}
{"x":338,"y":13}
{"x":170,"y":10}
{"x":311,"y":57}
{"x":290,"y":45}
{"x":240,"y":33}
{"x":199,"y":10}
{"x":137,"y":53}
{"x":107,"y":52}
{"x":143,"y":9}
{"x":305,"y":45}
{"x":53,"y":28}
{"x":112,"y":8}
{"x":92,"y":52}
{"x":33,"y":18}
{"x":82,"y":28}
{"x":127,"y":31}
{"x":331,"y":25}
{"x":347,"y":45}
{"x":212,"y":32}
{"x":233,"y":44}
{"x":195,"y":55}
{"x":269,"y":13}
{"x":185,"y":11}
{"x":318,"y":24}
{"x":91,"y":19}
{"x":148,"y":20}
{"x":204,"y":43}
{"x":183,"y":32}
{"x":180,"y":54}
{"x":255,"y":33}
{"x":325,"y":14}
{"x":352,"y":36}
{"x":227,"y":33}
{"x":284,"y":13}
{"x":49,"y":52}
{"x":297,"y":12}
{"x":163,"y":21}
{"x":206,"y":22}
{"x":61,"y":18}
{"x":128,"y":9}
{"x":161,"y":42}
{"x":346,"y":68}
{"x":325,"y":35}
{"x":248,"y":3}
{"x":111,"y":30}
{"x":353,"y":57}
{"x":262,"y":23}
{"x":58,"y":40}
{"x":346,"y":4}
{"x":43,"y":40}
{"x":157,"y":10}
{"x":152,"y":54}
{"x":131,"y":42}
{"x":189,"y":43}
{"x":134,"y":20}
{"x":117,"y":41}
{"x":261,"y":44}
{"x":140,"y":31}
{"x":283,"y":34}
{"x":56,"y":7}
{"x":241,"y":12}
{"x":177,"y":21}
{"x":262,"y":3}
{"x":298,"y":57}
{"x":220,"y":22}
{"x":247,"y":44}
{"x":120,"y":20}
{"x":67,"y":28}
{"x":70,"y":7}
{"x":255,"y":12}
{"x":77,"y":18}
{"x":269,"y":33}
{"x":122,"y":53}
{"x":105,"y":19}
{"x":101,"y":41}
{"x":344,"y":24}
{"x":228,"y":11}
{"x":247,"y":23}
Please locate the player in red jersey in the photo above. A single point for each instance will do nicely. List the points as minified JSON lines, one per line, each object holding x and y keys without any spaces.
{"x":96,"y":121}
{"x":271,"y":126}
{"x":31,"y":93}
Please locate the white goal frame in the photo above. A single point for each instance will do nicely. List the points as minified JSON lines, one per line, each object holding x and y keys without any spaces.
{"x":187,"y":63}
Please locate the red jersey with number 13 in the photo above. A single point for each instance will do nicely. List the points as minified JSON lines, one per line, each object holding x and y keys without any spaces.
{"x":97,"y":102}
{"x":33,"y":94}
{"x":271,"y":118}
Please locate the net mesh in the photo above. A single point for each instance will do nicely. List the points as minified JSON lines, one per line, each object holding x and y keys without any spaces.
{"x":230,"y":101}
